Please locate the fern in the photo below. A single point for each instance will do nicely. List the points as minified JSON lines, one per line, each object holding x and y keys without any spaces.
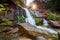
{"x":51,"y":16}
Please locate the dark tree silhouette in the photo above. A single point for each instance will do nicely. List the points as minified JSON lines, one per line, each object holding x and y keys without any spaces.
{"x":54,"y":5}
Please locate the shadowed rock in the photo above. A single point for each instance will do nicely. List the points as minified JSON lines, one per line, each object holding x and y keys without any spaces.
{"x":54,"y":23}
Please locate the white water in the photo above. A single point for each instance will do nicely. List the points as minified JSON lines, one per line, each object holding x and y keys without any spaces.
{"x":47,"y":29}
{"x":30,"y":20}
{"x":45,"y":22}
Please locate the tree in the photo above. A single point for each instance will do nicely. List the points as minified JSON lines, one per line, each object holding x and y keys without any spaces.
{"x":54,"y":5}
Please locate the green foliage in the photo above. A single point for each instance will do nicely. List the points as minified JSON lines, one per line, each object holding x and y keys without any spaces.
{"x":37,"y":20}
{"x":21,"y":19}
{"x":51,"y":5}
{"x":58,"y":18}
{"x":51,"y":16}
{"x":6,"y":22}
{"x":2,"y":7}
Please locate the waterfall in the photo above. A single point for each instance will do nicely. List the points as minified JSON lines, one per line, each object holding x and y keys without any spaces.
{"x":29,"y":18}
{"x":50,"y":30}
{"x":45,"y":22}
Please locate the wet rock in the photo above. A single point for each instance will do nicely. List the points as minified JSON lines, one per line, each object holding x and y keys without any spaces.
{"x":41,"y":15}
{"x":9,"y":36}
{"x":40,"y":38}
{"x":9,"y":29}
{"x":5,"y":29}
{"x":24,"y":38}
{"x":13,"y":30}
{"x":9,"y":33}
{"x":41,"y":31}
{"x":54,"y":23}
{"x":58,"y":32}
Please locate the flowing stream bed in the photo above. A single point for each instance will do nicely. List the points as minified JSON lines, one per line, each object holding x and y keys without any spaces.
{"x":39,"y":31}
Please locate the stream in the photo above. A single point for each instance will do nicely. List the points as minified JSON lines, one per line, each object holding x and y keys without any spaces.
{"x":29,"y":18}
{"x":31,"y":21}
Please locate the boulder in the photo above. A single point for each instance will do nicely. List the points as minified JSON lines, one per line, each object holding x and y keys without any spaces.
{"x":54,"y":23}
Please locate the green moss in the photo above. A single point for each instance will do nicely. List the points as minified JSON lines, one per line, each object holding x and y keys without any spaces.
{"x":21,"y":19}
{"x":2,"y":7}
{"x":6,"y":22}
{"x":51,"y":16}
{"x":37,"y":20}
{"x":58,"y":18}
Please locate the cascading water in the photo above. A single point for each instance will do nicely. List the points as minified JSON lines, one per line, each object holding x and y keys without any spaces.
{"x":45,"y":23}
{"x":38,"y":14}
{"x":29,"y":18}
